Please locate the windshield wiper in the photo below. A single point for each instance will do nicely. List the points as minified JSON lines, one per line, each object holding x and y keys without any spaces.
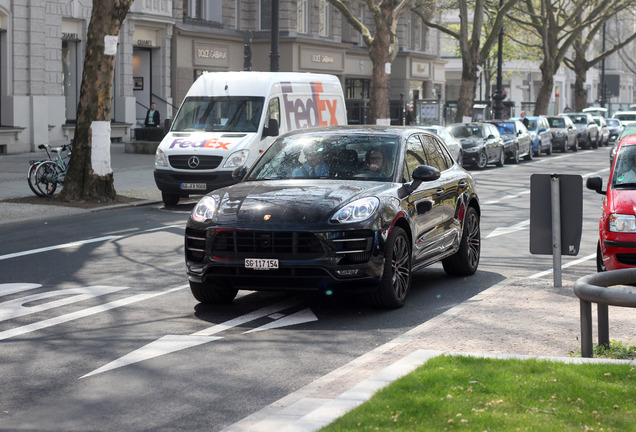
{"x":625,"y":185}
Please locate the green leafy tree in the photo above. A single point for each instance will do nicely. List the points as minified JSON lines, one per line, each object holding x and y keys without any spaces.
{"x":84,"y":181}
{"x":383,"y":45}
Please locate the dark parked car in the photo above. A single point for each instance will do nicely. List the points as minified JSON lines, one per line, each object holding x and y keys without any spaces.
{"x":481,"y":143}
{"x":564,"y":133}
{"x":336,"y":209}
{"x":588,"y":130}
{"x":517,"y":140}
{"x":615,"y":128}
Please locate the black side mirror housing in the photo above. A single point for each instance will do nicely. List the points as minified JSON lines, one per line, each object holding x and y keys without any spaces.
{"x":595,"y":183}
{"x":271,"y":129}
{"x":239,"y":172}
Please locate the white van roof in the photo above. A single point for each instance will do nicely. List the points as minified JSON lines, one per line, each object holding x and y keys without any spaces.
{"x":248,"y":83}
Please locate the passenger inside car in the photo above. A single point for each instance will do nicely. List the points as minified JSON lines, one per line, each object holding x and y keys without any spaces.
{"x":314,"y":166}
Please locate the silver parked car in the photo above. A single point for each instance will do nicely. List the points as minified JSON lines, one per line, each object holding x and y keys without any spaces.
{"x":454,"y":146}
{"x":564,"y":133}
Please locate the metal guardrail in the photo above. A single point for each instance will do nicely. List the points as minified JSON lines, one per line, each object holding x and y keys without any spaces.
{"x":594,"y":288}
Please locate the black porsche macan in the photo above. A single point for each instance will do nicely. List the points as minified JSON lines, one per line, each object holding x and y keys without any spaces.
{"x":353,"y":209}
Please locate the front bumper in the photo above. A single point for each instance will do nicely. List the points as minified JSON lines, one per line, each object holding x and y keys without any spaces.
{"x":619,"y":251}
{"x":343,"y":260}
{"x":171,"y":181}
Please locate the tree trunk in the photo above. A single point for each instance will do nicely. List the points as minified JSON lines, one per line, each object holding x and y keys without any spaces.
{"x":580,"y":95}
{"x":547,"y":84}
{"x":379,"y":98}
{"x":466,"y":90}
{"x":90,"y":176}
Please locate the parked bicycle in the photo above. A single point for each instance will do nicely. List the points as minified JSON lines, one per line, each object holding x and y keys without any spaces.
{"x":43,"y":176}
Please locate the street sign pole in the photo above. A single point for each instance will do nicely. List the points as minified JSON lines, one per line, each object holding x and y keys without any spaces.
{"x":556,"y":228}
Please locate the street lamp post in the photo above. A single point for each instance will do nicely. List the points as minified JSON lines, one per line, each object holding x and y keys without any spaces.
{"x":274,"y":55}
{"x":499,"y":96}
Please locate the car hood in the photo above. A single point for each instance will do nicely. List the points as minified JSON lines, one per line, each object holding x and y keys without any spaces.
{"x":284,"y":202}
{"x":471,"y":142}
{"x":622,"y":201}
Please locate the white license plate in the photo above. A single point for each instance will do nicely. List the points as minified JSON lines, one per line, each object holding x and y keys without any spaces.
{"x":261,"y":264}
{"x":193,"y":186}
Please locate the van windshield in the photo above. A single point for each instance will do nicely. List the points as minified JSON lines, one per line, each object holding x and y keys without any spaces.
{"x":226,"y":114}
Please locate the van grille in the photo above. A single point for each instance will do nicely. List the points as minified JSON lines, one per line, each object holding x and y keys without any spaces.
{"x":205,"y":162}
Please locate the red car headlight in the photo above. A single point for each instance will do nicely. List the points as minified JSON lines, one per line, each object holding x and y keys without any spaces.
{"x":622,"y":223}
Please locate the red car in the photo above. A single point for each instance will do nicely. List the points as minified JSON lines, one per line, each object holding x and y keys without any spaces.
{"x":617,"y":229}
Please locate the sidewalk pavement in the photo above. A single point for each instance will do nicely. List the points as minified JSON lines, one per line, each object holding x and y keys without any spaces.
{"x":132,"y":174}
{"x":521,"y":318}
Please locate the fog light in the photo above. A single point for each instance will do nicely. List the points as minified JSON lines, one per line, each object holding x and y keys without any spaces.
{"x":351,"y":272}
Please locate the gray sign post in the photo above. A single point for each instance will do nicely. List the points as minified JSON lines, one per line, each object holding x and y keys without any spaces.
{"x":556,"y":217}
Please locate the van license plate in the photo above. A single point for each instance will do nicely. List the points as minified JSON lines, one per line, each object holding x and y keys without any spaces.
{"x":193,"y":186}
{"x":261,"y":264}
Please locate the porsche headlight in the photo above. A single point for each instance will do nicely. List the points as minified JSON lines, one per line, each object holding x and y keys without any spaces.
{"x":357,"y":211}
{"x":160,"y":158}
{"x":622,"y":223}
{"x":237,"y":159}
{"x":205,"y":209}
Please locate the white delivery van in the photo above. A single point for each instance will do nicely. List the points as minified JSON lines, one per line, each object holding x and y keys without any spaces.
{"x":228,"y":119}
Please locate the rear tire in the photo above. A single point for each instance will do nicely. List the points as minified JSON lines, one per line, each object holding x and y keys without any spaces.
{"x":31,"y":179}
{"x":396,"y":277}
{"x":45,"y":178}
{"x":465,"y":261}
{"x":515,"y":155}
{"x":212,"y":294}
{"x":170,"y":200}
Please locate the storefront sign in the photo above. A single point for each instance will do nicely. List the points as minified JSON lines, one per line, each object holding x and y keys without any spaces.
{"x":144,"y":43}
{"x":312,"y":59}
{"x":70,"y":36}
{"x":210,"y":55}
{"x":419,"y":69}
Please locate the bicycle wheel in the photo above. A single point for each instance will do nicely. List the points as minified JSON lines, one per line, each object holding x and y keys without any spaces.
{"x":31,"y":177}
{"x":46,"y":178}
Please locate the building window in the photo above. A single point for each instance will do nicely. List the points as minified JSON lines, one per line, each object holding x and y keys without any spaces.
{"x":205,"y":10}
{"x":357,"y":88}
{"x":265,"y":15}
{"x":324,"y":18}
{"x":301,"y":16}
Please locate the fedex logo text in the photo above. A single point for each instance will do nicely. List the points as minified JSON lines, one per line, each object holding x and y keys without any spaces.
{"x":310,"y":113}
{"x":212,"y":143}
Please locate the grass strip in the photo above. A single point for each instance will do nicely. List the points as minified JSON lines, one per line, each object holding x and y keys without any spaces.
{"x":478,"y":394}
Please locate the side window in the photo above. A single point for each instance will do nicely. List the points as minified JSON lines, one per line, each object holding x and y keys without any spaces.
{"x":414,"y":157}
{"x":273,"y":112}
{"x":435,"y":154}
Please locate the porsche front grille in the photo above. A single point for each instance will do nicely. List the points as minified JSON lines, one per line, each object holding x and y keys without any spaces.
{"x":266,"y":244}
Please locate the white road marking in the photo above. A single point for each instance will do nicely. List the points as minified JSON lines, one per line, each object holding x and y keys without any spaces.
{"x":507,"y":230}
{"x":20,"y":306}
{"x":7,"y":334}
{"x":172,"y":343}
{"x":298,"y":318}
{"x":570,"y":264}
{"x":506,"y":198}
{"x":13,"y":288}
{"x":79,"y":243}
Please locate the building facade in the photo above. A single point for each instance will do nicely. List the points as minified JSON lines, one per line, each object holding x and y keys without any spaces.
{"x":164,"y":45}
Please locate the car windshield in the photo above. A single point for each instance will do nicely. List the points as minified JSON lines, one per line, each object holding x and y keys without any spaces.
{"x":226,"y":114}
{"x":466,"y":131}
{"x":532,"y":124}
{"x":556,"y":122}
{"x":628,"y":117}
{"x":579,"y":119}
{"x":625,"y":167}
{"x":506,"y":128}
{"x":329,"y":155}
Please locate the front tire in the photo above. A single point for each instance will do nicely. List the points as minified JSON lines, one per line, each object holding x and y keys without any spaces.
{"x":465,"y":261}
{"x":600,"y":265}
{"x":170,"y":200}
{"x":212,"y":294}
{"x":502,"y":158}
{"x":31,"y":179}
{"x":482,"y":160}
{"x":396,"y":277}
{"x":45,"y":178}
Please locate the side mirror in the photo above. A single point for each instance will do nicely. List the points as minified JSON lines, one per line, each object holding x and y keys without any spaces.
{"x":595,"y":183}
{"x":489,"y":137}
{"x":239,"y":172}
{"x":424,"y":173}
{"x":542,"y":129}
{"x":271,"y":129}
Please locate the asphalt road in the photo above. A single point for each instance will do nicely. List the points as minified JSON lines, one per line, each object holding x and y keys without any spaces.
{"x":99,"y":331}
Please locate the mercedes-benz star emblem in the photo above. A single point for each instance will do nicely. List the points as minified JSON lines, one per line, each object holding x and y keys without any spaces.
{"x":193,"y":162}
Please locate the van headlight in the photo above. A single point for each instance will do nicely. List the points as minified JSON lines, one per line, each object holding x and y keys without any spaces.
{"x":357,"y":211}
{"x":160,"y":158}
{"x":204,"y":210}
{"x":237,"y":159}
{"x":622,"y":223}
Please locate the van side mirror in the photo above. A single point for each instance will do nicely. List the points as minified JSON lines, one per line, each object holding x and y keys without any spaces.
{"x":271,"y":129}
{"x":595,"y":183}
